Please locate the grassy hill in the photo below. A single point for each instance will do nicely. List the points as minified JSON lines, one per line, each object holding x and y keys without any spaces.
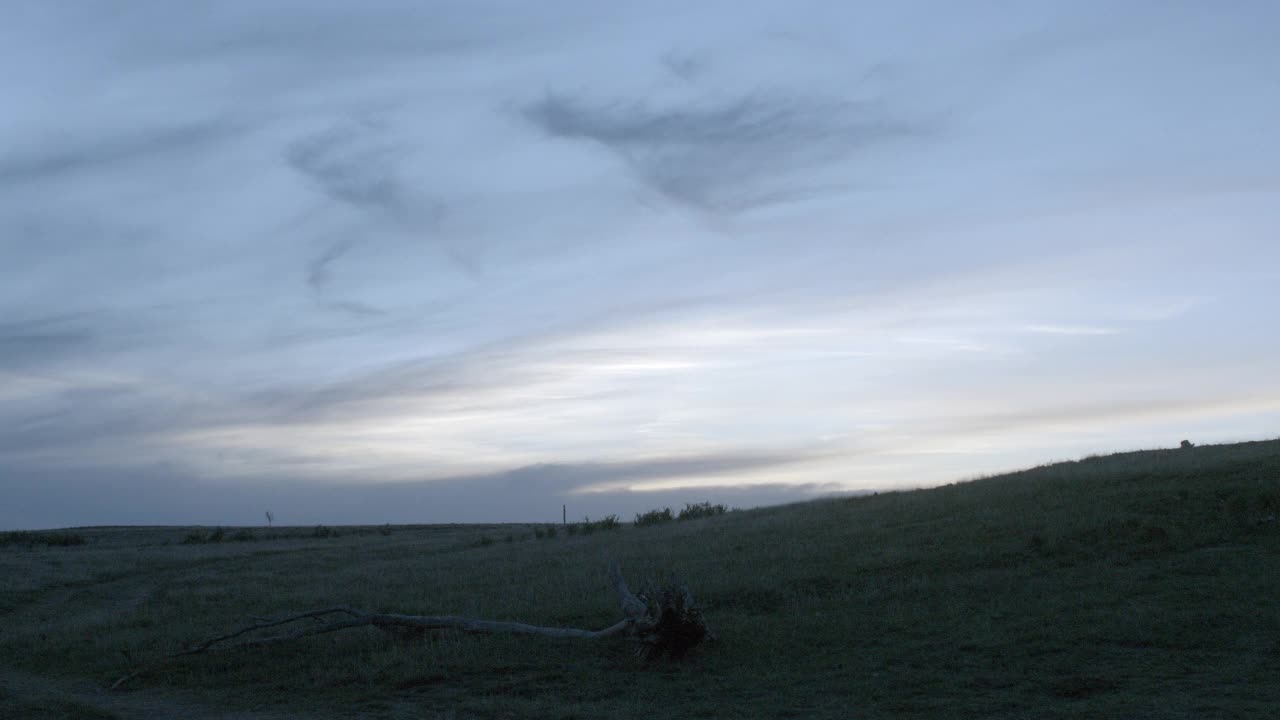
{"x":1143,"y":585}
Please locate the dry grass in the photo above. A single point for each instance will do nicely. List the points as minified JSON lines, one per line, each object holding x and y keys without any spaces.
{"x":1135,"y":585}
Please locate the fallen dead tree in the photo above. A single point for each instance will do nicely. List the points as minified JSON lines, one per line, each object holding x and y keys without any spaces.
{"x":663,"y":618}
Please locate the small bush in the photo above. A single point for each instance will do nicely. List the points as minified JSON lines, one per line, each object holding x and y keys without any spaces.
{"x":589,"y":526}
{"x":654,"y":517}
{"x":193,"y":539}
{"x":322,"y":532}
{"x":551,"y":531}
{"x":385,"y":529}
{"x":695,"y":511}
{"x":244,"y":536}
{"x":217,"y":535}
{"x":485,"y":541}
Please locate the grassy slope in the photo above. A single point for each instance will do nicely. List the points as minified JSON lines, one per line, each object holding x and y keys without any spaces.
{"x":1136,"y":585}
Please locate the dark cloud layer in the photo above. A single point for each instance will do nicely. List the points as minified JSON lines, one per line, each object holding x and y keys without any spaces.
{"x":49,"y":497}
{"x":725,"y":156}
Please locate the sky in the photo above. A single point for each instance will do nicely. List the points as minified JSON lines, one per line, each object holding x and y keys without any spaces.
{"x":475,"y":261}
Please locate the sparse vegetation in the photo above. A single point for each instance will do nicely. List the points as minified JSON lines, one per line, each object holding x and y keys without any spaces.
{"x":654,"y":517}
{"x":319,"y":532}
{"x":1133,"y":585}
{"x":696,"y":511}
{"x":48,"y":539}
{"x":589,"y":526}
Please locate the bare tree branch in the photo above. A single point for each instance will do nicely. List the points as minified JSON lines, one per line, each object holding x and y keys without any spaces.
{"x":663,"y":627}
{"x":632,"y":606}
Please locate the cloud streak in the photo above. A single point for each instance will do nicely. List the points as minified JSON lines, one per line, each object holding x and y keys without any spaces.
{"x":113,"y":152}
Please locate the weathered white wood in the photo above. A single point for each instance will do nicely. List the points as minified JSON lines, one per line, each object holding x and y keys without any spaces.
{"x":636,"y":622}
{"x":632,"y":606}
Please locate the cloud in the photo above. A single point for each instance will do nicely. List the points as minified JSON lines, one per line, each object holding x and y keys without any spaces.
{"x":354,"y":165}
{"x":685,"y":66}
{"x":190,"y":193}
{"x":43,"y":342}
{"x":319,"y":280}
{"x":361,"y":166}
{"x":568,"y":478}
{"x":90,"y":419}
{"x":727,"y":156}
{"x":110,"y":151}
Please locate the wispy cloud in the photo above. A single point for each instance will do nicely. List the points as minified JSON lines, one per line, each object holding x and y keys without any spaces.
{"x":353,"y":164}
{"x":724,"y":156}
{"x":1050,"y":329}
{"x":42,"y":343}
{"x":60,"y":157}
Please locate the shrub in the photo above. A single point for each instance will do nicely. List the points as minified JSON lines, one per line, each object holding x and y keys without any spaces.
{"x":244,"y":536}
{"x":589,"y":526}
{"x":217,"y":535}
{"x":322,"y":532}
{"x":193,"y":539}
{"x":485,"y":541}
{"x":654,"y":517}
{"x":385,"y":529}
{"x":694,"y":511}
{"x":551,"y":531}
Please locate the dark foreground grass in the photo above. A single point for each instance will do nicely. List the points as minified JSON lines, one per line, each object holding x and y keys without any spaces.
{"x":1141,"y":585}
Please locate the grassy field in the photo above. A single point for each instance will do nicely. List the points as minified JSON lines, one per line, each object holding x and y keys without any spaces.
{"x":1139,"y":585}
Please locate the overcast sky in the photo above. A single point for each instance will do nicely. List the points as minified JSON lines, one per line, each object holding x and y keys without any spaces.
{"x":365,"y":262}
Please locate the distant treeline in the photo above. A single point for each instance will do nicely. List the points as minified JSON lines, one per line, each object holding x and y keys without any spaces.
{"x":691,"y":511}
{"x":48,"y":539}
{"x":220,"y":535}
